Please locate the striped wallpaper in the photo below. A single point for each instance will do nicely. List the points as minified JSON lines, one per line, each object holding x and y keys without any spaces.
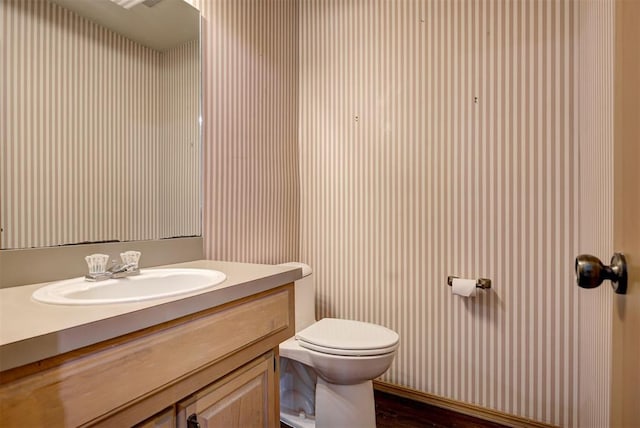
{"x":594,"y":111}
{"x":250,"y":130}
{"x":81,"y":141}
{"x":439,"y":138}
{"x":179,"y":144}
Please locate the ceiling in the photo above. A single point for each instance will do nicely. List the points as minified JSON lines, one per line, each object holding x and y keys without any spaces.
{"x":167,"y":24}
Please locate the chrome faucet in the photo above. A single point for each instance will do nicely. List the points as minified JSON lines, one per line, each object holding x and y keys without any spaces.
{"x":97,"y":266}
{"x":120,"y":270}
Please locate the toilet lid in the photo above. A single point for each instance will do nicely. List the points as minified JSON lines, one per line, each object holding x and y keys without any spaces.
{"x":348,"y":337}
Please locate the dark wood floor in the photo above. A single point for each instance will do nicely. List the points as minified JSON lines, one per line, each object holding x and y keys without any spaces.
{"x":397,"y":412}
{"x":394,"y":411}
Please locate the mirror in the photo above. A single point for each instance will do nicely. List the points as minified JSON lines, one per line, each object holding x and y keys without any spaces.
{"x":101,"y":123}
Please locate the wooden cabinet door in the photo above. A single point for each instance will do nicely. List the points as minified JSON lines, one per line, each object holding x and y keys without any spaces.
{"x":245,"y":398}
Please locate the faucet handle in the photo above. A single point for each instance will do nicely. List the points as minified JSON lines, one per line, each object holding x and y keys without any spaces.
{"x":131,"y":257}
{"x":97,"y":267}
{"x":97,"y":263}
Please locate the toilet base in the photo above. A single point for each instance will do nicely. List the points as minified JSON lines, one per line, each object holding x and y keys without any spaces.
{"x":297,"y":421}
{"x":338,"y":406}
{"x":345,"y":405}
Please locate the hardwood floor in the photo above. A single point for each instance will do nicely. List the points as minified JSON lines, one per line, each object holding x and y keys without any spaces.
{"x":398,"y":412}
{"x":394,"y":411}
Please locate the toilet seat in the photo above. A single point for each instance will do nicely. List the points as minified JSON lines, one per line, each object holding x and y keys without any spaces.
{"x":347,"y":337}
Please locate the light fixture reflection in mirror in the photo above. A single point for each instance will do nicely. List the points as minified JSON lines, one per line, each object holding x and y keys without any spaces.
{"x":102,"y":141}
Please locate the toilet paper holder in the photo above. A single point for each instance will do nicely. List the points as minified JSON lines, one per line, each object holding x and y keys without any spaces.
{"x":483,"y":283}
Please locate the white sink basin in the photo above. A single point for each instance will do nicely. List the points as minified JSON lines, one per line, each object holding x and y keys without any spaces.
{"x":150,"y":284}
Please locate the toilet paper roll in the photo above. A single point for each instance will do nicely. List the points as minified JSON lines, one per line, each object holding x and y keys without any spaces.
{"x":463,"y":287}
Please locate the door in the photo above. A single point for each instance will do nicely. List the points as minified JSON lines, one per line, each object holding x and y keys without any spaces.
{"x":625,"y":385}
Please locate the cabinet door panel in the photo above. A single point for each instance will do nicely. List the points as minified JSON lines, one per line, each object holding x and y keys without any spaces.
{"x":241,"y":408}
{"x":242,"y":399}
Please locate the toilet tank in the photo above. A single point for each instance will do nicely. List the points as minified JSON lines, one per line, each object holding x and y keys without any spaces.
{"x":305,"y":294}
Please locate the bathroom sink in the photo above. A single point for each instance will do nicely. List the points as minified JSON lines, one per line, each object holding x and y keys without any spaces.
{"x":150,"y":284}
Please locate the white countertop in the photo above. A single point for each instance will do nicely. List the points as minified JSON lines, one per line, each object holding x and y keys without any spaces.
{"x":31,"y":331}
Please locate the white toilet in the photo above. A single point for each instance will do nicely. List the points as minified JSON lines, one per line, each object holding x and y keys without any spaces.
{"x":327,"y":368}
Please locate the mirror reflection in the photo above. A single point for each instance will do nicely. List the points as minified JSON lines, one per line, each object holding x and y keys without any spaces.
{"x":101,"y":122}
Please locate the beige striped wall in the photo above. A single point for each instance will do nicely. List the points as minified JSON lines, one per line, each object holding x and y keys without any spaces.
{"x":80,"y":135}
{"x":180,"y":155}
{"x":405,"y":177}
{"x":594,"y":111}
{"x":250,"y":130}
{"x":439,"y":138}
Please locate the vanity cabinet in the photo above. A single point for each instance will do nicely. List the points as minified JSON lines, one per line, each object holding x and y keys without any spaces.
{"x":220,"y":364}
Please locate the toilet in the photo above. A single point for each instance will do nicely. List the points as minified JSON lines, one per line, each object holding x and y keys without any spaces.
{"x":327,"y":368}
